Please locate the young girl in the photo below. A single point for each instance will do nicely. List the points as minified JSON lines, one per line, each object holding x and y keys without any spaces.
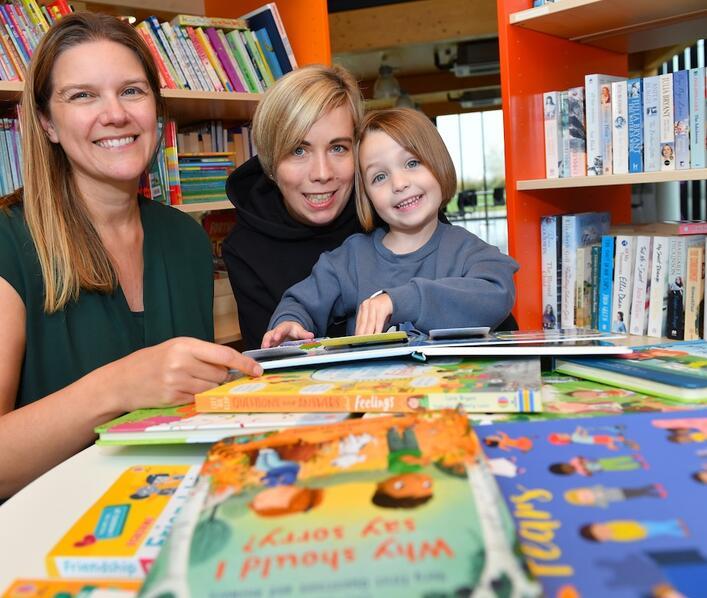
{"x":416,"y":269}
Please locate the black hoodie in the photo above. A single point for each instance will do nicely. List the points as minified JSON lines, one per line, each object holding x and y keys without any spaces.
{"x":268,"y":251}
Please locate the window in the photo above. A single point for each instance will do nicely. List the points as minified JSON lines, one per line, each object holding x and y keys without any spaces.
{"x":475,"y":142}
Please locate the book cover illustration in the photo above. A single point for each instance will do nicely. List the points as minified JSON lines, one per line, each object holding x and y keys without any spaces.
{"x":672,"y":370}
{"x":394,"y":506}
{"x":610,"y":506}
{"x":71,"y":588}
{"x":577,"y":131}
{"x":635,"y":125}
{"x":182,"y":425}
{"x":121,"y":534}
{"x":476,"y":385}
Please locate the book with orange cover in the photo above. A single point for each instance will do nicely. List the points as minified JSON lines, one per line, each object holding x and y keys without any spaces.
{"x":71,"y":588}
{"x":507,"y":385}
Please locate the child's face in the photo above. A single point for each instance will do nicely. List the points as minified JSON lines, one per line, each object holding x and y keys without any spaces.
{"x":403,"y":191}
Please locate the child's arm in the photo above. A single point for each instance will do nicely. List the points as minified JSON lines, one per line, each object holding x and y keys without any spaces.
{"x":312,"y":301}
{"x":472,"y":286}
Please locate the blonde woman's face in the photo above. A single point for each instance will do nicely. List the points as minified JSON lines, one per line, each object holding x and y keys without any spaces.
{"x":316,"y":178}
{"x":102,"y":112}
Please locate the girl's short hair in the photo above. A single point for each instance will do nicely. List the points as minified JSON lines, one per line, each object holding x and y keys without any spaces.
{"x":71,"y":254}
{"x":416,"y":133}
{"x":298,"y":100}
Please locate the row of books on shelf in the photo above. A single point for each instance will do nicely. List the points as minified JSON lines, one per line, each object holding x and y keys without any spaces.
{"x":614,"y":125}
{"x":335,"y":504}
{"x":191,"y":166}
{"x":246,"y":54}
{"x":22,"y":25}
{"x":646,"y":280}
{"x":10,"y":155}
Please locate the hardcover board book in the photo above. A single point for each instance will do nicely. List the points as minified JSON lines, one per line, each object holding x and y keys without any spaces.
{"x":183,"y":425}
{"x":121,"y":534}
{"x":672,"y":370}
{"x":608,"y":507}
{"x":71,"y":588}
{"x":389,"y":506}
{"x":575,"y":341}
{"x":395,"y":385}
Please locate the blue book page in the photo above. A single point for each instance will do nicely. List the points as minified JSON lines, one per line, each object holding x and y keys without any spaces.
{"x":608,"y":506}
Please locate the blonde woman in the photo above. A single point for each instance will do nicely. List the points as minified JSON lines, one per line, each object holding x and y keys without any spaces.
{"x":295,"y":199}
{"x":106,"y":298}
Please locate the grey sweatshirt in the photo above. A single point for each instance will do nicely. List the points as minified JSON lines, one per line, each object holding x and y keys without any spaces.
{"x":455,"y":279}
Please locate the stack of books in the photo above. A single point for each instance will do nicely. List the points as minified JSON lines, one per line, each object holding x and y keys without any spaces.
{"x":614,"y":125}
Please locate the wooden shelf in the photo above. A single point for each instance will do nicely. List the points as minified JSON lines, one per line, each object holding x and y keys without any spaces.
{"x":226,"y":329}
{"x":204,"y":206}
{"x":618,"y":25}
{"x":694,"y":174}
{"x":184,"y":105}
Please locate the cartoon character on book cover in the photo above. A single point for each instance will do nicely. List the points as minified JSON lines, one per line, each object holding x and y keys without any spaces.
{"x":621,"y":516}
{"x":389,"y":506}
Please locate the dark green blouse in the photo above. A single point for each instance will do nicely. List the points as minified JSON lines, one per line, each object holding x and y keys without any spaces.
{"x":100,"y":328}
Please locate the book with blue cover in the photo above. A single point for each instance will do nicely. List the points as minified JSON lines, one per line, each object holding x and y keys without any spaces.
{"x":672,"y":370}
{"x":267,"y":18}
{"x":612,"y":506}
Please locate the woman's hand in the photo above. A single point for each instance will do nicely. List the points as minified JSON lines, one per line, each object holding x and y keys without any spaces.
{"x":172,"y":372}
{"x":283,"y":332}
{"x":374,"y":314}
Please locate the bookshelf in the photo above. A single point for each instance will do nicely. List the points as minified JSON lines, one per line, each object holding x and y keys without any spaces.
{"x":553,"y":47}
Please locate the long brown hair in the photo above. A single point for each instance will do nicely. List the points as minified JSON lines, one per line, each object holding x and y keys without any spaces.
{"x":71,"y":254}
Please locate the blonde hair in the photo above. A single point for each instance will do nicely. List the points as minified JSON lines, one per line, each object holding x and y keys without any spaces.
{"x":414,"y":132}
{"x":291,"y":106}
{"x":71,"y":254}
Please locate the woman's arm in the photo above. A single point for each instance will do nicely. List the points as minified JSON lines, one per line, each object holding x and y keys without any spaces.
{"x":38,"y":436}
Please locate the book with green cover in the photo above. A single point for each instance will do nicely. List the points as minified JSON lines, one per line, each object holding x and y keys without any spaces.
{"x":183,"y":425}
{"x":676,"y":370}
{"x":390,"y":506}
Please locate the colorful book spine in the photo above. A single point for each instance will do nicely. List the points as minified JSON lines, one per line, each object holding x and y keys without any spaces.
{"x":13,"y":37}
{"x":635,"y":125}
{"x":564,"y":149}
{"x":225,"y":60}
{"x":619,"y":128}
{"x":268,"y":17}
{"x":235,"y":43}
{"x":553,"y":134}
{"x":641,"y":285}
{"x":168,"y":53}
{"x":651,"y":124}
{"x":596,"y":266}
{"x":200,"y":21}
{"x":598,"y":106}
{"x":578,"y":132}
{"x":606,"y":282}
{"x":172,"y":163}
{"x":252,"y":43}
{"x":624,"y":263}
{"x":667,"y":122}
{"x":677,"y":275}
{"x":271,"y":58}
{"x":166,"y":79}
{"x":694,"y":292}
{"x":204,"y":58}
{"x":698,"y":101}
{"x":213,"y":59}
{"x":197,"y":63}
{"x":658,"y":301}
{"x":681,"y":116}
{"x":177,"y":55}
{"x":550,"y":259}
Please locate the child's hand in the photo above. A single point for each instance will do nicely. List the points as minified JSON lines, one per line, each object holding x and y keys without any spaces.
{"x":285,"y":331}
{"x":374,"y":314}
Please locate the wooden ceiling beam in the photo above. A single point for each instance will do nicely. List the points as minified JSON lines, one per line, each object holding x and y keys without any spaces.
{"x":421,"y":22}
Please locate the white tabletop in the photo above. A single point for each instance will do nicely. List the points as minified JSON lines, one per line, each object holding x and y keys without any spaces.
{"x":34,"y":520}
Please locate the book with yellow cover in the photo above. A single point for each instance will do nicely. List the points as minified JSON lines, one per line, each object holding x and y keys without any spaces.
{"x":121,"y":534}
{"x":72,"y":588}
{"x":509,"y":385}
{"x":388,"y":506}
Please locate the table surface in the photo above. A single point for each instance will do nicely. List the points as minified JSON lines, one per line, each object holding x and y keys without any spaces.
{"x":34,"y":520}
